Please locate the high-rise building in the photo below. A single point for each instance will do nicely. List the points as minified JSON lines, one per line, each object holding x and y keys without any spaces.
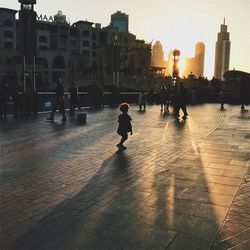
{"x":195,"y":65}
{"x":222,"y":52}
{"x":158,"y":55}
{"x":119,"y":20}
{"x":199,"y":59}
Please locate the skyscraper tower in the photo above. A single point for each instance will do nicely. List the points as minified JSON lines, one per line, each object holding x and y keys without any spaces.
{"x":222,"y":52}
{"x":120,"y":20}
{"x":157,"y":55}
{"x":199,"y":59}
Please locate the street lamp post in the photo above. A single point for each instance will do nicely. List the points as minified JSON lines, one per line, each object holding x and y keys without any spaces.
{"x":116,"y":60}
{"x":176,"y":55}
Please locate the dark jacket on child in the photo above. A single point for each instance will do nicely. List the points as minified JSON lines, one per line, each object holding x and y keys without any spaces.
{"x":124,"y":124}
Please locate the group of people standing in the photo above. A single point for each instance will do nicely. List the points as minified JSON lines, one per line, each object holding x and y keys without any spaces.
{"x":176,"y":96}
{"x":60,"y":99}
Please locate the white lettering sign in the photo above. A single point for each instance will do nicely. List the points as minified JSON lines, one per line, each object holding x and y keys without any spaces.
{"x":56,"y":18}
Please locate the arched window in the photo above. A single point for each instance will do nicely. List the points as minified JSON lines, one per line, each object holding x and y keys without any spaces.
{"x":59,"y":63}
{"x":7,"y":22}
{"x":86,"y":33}
{"x":8,"y":34}
{"x":8,"y":45}
{"x":43,"y":39}
{"x":85,"y":43}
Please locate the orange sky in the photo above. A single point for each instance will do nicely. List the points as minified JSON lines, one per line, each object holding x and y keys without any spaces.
{"x":177,"y":24}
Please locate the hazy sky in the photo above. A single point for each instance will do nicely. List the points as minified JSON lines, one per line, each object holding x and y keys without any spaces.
{"x":176,"y":23}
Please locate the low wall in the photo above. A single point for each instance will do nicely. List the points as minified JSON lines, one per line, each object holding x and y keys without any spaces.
{"x":43,"y":101}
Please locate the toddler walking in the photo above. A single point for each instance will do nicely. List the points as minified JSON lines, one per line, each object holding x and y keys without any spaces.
{"x":124,"y":125}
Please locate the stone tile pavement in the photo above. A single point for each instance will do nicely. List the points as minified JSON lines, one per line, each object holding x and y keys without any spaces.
{"x":179,"y":185}
{"x":235,"y":231}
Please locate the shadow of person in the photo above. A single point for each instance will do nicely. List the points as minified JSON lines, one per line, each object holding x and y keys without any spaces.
{"x":67,"y":221}
{"x":180,"y":123}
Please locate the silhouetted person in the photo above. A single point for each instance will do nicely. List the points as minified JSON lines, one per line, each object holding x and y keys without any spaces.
{"x":163,"y":97}
{"x":125,"y":126}
{"x":181,"y":100}
{"x":4,"y":96}
{"x":58,"y":102}
{"x":168,"y":99}
{"x":244,"y":92}
{"x":142,"y":100}
{"x":73,"y":99}
{"x":222,"y":95}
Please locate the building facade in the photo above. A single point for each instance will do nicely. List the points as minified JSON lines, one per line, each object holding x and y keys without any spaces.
{"x":222,"y":52}
{"x":82,"y":52}
{"x":195,"y":65}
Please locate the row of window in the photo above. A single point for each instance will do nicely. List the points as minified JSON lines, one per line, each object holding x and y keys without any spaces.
{"x":44,"y":39}
{"x":84,"y":52}
{"x":8,"y":22}
{"x":86,"y":33}
{"x":63,"y":30}
{"x":8,"y":34}
{"x":8,"y":45}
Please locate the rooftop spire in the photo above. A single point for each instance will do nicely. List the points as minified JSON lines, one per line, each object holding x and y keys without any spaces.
{"x":224,"y":21}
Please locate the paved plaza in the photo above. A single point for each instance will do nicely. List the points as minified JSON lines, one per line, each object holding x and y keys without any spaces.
{"x":179,"y":185}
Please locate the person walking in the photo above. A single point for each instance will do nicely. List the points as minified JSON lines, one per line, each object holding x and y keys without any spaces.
{"x":125,"y":126}
{"x":168,"y":98}
{"x":244,"y":92}
{"x":222,"y":95}
{"x":181,"y":100}
{"x":58,"y":102}
{"x":163,"y":97}
{"x":73,"y":99}
{"x":142,"y":100}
